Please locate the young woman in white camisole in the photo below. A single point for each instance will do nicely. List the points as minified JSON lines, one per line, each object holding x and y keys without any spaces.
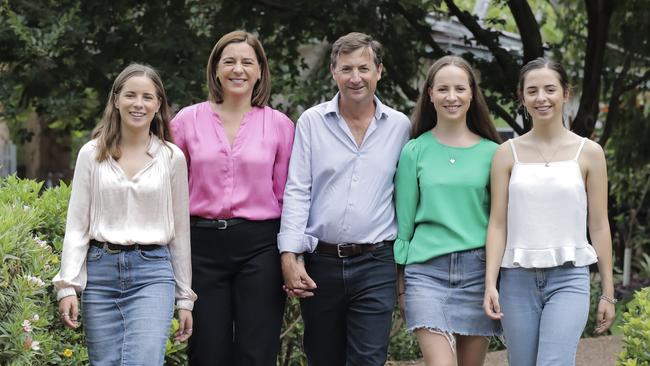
{"x":548,"y":186}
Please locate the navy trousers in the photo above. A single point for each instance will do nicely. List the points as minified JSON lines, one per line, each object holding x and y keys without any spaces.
{"x":348,"y":320}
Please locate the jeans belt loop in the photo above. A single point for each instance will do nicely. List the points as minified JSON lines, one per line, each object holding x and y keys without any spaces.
{"x":109,"y":250}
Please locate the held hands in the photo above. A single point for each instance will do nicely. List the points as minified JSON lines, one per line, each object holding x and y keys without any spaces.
{"x":491,"y":304}
{"x":297,"y":282}
{"x":184,"y":325}
{"x":69,"y":311}
{"x":606,"y":316}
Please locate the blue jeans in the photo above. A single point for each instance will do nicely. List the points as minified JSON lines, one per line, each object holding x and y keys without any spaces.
{"x":348,"y":320}
{"x":128,"y":305}
{"x":544,"y":313}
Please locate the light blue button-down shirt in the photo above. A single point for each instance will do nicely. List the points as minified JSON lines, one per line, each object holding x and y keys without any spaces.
{"x":337,"y":191}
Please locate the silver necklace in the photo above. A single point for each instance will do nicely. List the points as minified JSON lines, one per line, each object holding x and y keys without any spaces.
{"x":452,"y":160}
{"x":547,"y":162}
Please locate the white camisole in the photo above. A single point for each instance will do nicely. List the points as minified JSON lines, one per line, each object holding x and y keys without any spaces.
{"x":547,"y":215}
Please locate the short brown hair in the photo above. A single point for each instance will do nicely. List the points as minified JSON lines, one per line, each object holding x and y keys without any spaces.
{"x":262,"y":89}
{"x":352,"y":42}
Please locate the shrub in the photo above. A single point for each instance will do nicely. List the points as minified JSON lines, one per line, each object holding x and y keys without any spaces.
{"x":32,"y":224}
{"x":636,"y":331}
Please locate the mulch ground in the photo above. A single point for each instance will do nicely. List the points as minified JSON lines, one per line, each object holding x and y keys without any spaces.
{"x":599,"y":351}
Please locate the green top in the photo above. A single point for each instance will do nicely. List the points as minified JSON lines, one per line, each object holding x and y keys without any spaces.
{"x":442,"y":207}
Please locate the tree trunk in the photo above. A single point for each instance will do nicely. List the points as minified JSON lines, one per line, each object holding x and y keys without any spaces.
{"x":531,"y":38}
{"x":46,"y":155}
{"x":599,"y":13}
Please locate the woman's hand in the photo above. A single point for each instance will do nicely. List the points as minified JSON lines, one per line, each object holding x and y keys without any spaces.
{"x":69,"y":311}
{"x":491,"y":304}
{"x":185,"y":322}
{"x":606,"y":316}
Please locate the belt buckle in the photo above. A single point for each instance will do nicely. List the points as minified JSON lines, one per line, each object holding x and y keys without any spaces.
{"x":222,"y":224}
{"x":338,"y":249}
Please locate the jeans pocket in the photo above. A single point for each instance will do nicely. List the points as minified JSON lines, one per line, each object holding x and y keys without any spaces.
{"x":159,"y":254}
{"x":479,"y":254}
{"x":384,"y":254}
{"x":94,"y":254}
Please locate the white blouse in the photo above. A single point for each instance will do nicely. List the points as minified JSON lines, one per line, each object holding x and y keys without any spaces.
{"x":150,"y":208}
{"x":547,"y":215}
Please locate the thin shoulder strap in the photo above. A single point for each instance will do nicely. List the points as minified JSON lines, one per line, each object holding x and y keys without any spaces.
{"x":514,"y":151}
{"x":582,"y":144}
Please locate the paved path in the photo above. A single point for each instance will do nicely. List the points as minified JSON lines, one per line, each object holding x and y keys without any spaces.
{"x":599,"y":351}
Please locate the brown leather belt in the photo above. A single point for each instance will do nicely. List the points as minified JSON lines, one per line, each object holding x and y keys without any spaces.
{"x":122,"y":248}
{"x":346,"y":250}
{"x":197,"y":221}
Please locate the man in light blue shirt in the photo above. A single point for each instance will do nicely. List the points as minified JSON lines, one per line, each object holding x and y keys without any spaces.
{"x":338,"y":212}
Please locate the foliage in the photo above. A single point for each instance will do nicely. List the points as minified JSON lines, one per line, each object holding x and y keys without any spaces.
{"x":30,"y":330}
{"x":636,"y":331}
{"x":630,"y":210}
{"x":32,"y":224}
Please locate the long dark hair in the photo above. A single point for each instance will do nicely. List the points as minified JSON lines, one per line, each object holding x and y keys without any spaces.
{"x":424,"y":116}
{"x":109,"y":130}
{"x":541,"y":63}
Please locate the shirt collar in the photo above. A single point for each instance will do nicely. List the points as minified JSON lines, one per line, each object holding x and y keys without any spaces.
{"x":333,"y":107}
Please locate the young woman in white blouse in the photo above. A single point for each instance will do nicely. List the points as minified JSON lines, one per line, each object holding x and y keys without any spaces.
{"x":548,"y":186}
{"x":126,"y":247}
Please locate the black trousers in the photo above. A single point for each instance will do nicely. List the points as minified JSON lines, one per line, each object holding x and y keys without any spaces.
{"x":237,"y":276}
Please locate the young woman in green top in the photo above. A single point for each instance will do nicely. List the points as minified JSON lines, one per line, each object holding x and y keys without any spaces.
{"x":442,"y":202}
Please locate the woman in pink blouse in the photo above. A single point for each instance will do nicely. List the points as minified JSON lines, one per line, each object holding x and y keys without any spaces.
{"x":127,"y":236}
{"x":237,"y":149}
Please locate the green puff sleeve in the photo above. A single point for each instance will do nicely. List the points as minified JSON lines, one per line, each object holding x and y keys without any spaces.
{"x":407,"y":195}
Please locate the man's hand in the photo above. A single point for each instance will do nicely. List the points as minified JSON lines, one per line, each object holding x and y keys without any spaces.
{"x":297,"y":282}
{"x":69,"y":311}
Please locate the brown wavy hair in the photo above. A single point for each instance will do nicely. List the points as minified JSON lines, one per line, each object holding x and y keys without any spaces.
{"x":109,"y":130}
{"x":262,"y":88}
{"x":424,"y":116}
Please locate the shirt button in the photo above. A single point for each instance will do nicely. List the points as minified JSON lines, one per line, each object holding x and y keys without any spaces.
{"x":355,"y":179}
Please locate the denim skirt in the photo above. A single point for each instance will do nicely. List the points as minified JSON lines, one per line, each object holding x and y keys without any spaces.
{"x":445,"y":294}
{"x":127,"y":306}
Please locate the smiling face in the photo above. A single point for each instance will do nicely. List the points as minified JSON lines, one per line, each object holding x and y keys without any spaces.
{"x":137,"y":102}
{"x":451,"y":93}
{"x":238,"y":70}
{"x":543,"y":95}
{"x":356,"y":75}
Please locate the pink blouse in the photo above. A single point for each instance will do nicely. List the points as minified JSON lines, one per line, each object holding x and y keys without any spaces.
{"x":245,"y":181}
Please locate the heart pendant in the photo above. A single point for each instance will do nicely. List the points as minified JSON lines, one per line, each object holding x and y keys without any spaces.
{"x":452,"y":160}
